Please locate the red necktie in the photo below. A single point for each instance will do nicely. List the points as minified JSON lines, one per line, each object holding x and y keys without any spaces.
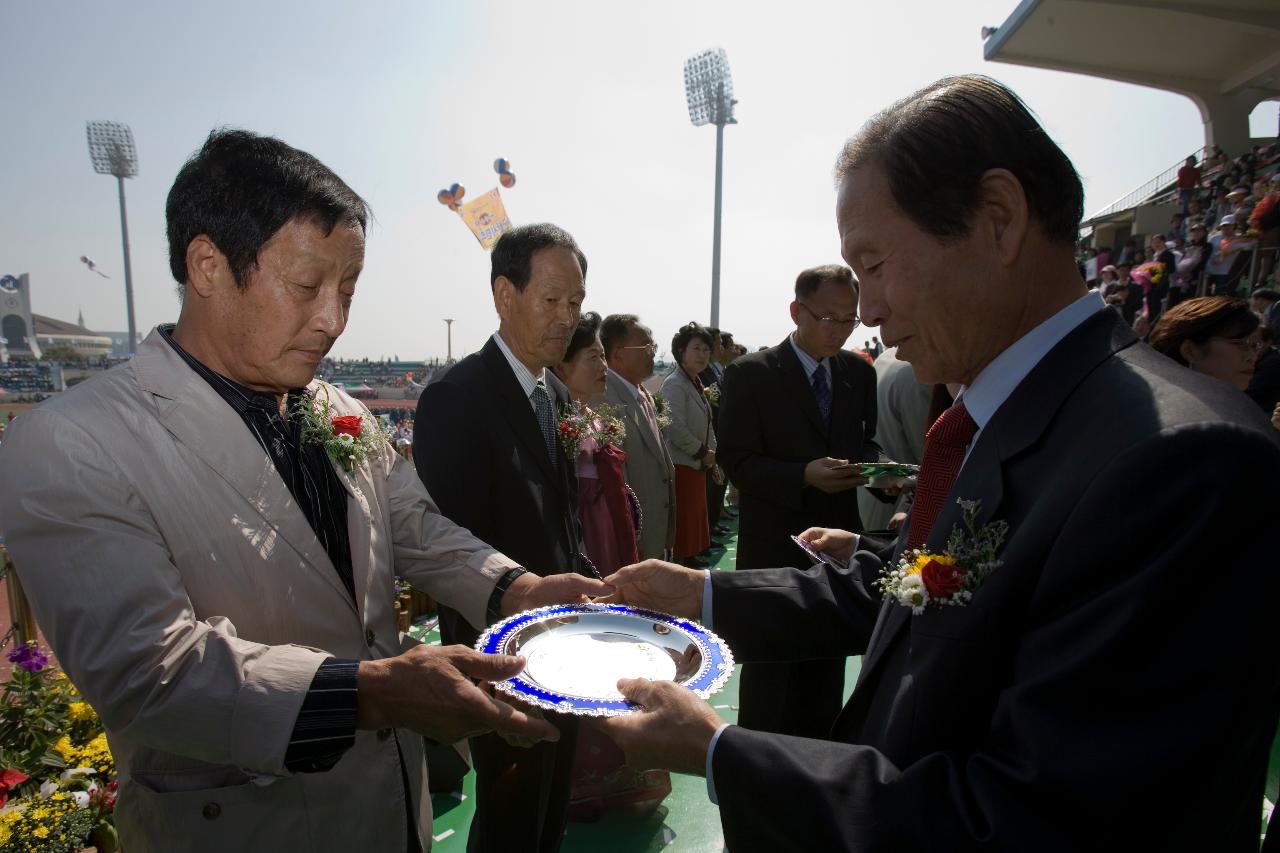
{"x":944,"y":447}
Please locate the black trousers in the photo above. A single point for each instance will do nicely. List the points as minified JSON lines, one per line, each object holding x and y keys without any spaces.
{"x":522,"y":795}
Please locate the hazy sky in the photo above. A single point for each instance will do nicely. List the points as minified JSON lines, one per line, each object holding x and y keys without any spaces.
{"x":585,"y":99}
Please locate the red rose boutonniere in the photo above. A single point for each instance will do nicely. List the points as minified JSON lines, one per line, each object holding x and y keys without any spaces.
{"x":924,"y":579}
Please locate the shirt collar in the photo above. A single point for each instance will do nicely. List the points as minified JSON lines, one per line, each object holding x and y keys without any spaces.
{"x":528,"y":381}
{"x":808,"y":362}
{"x":638,"y":390}
{"x":1006,"y":371}
{"x":239,"y":397}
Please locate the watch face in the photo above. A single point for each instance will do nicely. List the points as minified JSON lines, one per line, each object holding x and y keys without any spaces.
{"x":10,"y":301}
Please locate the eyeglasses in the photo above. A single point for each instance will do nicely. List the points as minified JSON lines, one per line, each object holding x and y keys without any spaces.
{"x":832,"y":322}
{"x":652,"y":349}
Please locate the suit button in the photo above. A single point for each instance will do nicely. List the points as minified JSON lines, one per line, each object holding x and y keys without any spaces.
{"x":369,"y":637}
{"x":383,"y":734}
{"x":211,"y":811}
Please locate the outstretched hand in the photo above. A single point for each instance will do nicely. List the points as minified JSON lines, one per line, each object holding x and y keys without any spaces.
{"x":529,"y":591}
{"x":672,"y":731}
{"x":430,"y":689}
{"x":656,"y":585}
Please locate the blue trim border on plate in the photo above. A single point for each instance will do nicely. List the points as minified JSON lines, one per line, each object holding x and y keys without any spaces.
{"x":716,"y":668}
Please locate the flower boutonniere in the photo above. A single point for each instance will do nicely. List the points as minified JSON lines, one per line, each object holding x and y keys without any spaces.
{"x":712,"y":393}
{"x":348,"y":439}
{"x":662,"y":410}
{"x":923,"y":578}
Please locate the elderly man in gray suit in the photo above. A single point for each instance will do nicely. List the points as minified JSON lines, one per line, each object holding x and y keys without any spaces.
{"x":629,"y":349}
{"x":209,"y":537}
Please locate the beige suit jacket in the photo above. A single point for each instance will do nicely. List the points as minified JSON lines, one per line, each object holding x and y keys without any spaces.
{"x":188,"y":598}
{"x":690,"y":427}
{"x":650,"y":473}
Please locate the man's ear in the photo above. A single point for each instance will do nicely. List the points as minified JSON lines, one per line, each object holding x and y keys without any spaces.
{"x":205,"y":265}
{"x":1004,"y":207}
{"x":504,"y":296}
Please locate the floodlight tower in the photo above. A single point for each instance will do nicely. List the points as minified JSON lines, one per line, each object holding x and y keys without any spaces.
{"x":448,"y":329}
{"x":112,"y":152}
{"x":708,"y":86}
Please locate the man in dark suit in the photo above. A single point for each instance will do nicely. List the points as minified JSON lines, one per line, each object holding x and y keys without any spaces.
{"x":794,"y":416}
{"x":711,"y":378}
{"x":486,"y":446}
{"x":1107,"y":686}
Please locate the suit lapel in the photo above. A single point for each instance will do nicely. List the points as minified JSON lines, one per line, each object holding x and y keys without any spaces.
{"x":203,"y":422}
{"x":798,"y":385}
{"x":1015,"y":427}
{"x":518,"y":410}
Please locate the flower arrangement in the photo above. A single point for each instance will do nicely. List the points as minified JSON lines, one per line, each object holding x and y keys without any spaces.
{"x":712,"y":393}
{"x":578,"y":424}
{"x":662,"y":410}
{"x":57,"y":786}
{"x":348,"y":439}
{"x":922,"y":578}
{"x":1148,"y":275}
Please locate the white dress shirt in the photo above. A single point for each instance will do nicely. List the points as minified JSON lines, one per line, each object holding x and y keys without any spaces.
{"x":528,"y":381}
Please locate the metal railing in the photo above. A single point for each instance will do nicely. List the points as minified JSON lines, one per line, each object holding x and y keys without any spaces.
{"x":1150,"y":189}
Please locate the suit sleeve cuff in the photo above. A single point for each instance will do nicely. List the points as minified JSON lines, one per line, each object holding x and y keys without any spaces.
{"x":326,"y":724}
{"x":711,"y":750}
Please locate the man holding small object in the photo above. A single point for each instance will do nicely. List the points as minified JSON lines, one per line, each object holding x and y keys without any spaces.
{"x":797,"y":420}
{"x":1032,"y":676}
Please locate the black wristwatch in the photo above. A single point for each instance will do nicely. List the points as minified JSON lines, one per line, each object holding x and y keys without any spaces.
{"x":494,"y":611}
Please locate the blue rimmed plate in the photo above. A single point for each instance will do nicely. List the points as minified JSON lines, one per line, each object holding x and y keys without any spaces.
{"x":576,"y":653}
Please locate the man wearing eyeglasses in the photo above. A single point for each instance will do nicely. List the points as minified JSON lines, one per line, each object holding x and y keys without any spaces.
{"x":629,"y":349}
{"x":793,"y":417}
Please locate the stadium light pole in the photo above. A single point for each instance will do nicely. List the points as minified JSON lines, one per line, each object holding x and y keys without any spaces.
{"x":708,"y":87}
{"x":448,"y":331}
{"x":112,"y":152}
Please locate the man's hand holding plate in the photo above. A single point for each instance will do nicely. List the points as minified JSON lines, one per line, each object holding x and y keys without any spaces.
{"x":430,"y":689}
{"x":660,"y":586}
{"x":673,"y":731}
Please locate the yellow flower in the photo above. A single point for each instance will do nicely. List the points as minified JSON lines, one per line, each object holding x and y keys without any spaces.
{"x":924,"y":560}
{"x":40,"y":832}
{"x":64,"y":748}
{"x":82,"y":712}
{"x":5,"y":833}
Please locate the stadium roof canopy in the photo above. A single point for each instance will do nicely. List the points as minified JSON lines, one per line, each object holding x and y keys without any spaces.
{"x":1222,"y":54}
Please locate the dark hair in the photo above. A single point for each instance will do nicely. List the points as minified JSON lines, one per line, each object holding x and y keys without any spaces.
{"x":1199,"y":319}
{"x":240,"y":188}
{"x":684,"y":335}
{"x":808,"y":282}
{"x":614,"y":330}
{"x":935,"y":145}
{"x":513,"y":254}
{"x":726,"y":338}
{"x":587,"y":333}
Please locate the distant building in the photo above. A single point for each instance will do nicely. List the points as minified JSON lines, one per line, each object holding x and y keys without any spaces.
{"x":51,"y":333}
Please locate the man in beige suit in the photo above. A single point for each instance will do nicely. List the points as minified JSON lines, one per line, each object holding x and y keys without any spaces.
{"x":629,"y":349}
{"x":217,"y":581}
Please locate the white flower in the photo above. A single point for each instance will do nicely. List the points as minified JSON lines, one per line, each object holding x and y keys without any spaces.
{"x":47,"y":789}
{"x":346,"y":440}
{"x":911,"y":591}
{"x":81,"y":798}
{"x":74,"y":772}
